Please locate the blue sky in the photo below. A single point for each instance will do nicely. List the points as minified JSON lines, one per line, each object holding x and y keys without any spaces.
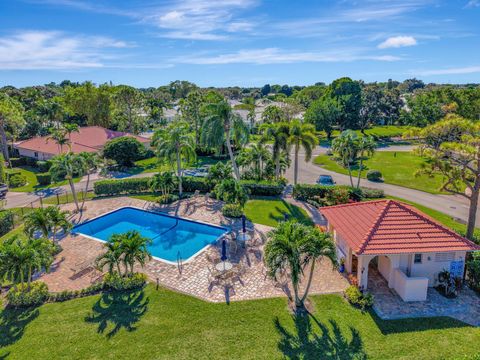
{"x":238,"y":42}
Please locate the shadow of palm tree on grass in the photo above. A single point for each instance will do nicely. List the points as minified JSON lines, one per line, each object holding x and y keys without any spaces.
{"x":310,"y":339}
{"x":117,"y":310}
{"x":293,"y":212}
{"x":13,"y":323}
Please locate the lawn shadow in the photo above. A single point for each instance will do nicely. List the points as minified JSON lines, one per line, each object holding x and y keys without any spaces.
{"x":310,"y":339}
{"x":13,"y":323}
{"x":118,"y":309}
{"x":396,"y":326}
{"x":293,"y":212}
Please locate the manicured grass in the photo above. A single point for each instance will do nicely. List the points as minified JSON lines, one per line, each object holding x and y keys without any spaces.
{"x":152,"y":165}
{"x":268,"y":211}
{"x":32,"y":183}
{"x":166,"y":325}
{"x":397,"y":168}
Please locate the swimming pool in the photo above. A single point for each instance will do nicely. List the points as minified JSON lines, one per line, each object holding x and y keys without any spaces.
{"x":172,"y":238}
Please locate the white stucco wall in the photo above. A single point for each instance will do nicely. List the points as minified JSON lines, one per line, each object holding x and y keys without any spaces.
{"x":31,"y":154}
{"x":384,"y":266}
{"x":431,"y":266}
{"x":409,"y":288}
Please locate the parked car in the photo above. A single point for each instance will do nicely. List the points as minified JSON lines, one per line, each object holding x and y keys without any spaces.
{"x":3,"y":191}
{"x":326,"y":180}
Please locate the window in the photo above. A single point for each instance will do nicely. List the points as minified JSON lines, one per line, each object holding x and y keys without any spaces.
{"x":36,"y":154}
{"x":444,"y":257}
{"x":417,"y":259}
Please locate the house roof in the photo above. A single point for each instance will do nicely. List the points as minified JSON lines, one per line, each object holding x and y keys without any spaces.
{"x":89,"y":139}
{"x":392,"y":227}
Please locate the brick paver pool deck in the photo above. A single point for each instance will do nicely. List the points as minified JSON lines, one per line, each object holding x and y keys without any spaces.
{"x":192,"y":278}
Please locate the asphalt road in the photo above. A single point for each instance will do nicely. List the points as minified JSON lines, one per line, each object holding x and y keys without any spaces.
{"x":453,"y":205}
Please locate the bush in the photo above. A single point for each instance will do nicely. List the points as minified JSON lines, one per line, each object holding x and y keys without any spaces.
{"x":192,"y":184}
{"x":6,"y":221}
{"x":43,"y":166}
{"x":17,"y":180}
{"x":22,"y":297}
{"x":337,"y":196}
{"x":263,"y":188}
{"x":368,"y":193}
{"x":374,"y":175}
{"x":116,"y":282}
{"x":30,"y":161}
{"x":124,"y":150}
{"x":356,"y":298}
{"x":166,"y":199}
{"x":124,"y":186}
{"x":473,"y":271}
{"x":232,"y":210}
{"x":306,"y":191}
{"x":16,"y":162}
{"x":44,"y":178}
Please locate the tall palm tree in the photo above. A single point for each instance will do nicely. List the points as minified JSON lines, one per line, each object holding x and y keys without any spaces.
{"x":221,"y":126}
{"x":163,"y":182}
{"x":66,"y":166}
{"x":92,"y":163}
{"x":278,"y":133}
{"x":366,"y":147}
{"x":112,"y":257}
{"x":256,"y":155}
{"x":176,"y":144}
{"x":345,"y":147}
{"x":58,"y":220}
{"x":301,"y":136}
{"x":134,"y":248}
{"x":58,"y":135}
{"x":291,"y":247}
{"x":20,"y":258}
{"x":37,"y":220}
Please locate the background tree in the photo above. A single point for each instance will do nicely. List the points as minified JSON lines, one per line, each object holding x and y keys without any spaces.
{"x":365,"y":147}
{"x":290,"y":248}
{"x":301,"y":136}
{"x":324,"y":114}
{"x":125,"y":150}
{"x":176,"y":144}
{"x":348,"y":94}
{"x":190,"y":109}
{"x":129,"y":105}
{"x":11,"y":115}
{"x":232,"y":192}
{"x":273,"y":114}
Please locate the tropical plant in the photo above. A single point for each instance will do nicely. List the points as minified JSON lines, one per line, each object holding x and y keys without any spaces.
{"x":290,"y":248}
{"x":255,"y":156}
{"x":58,"y":135}
{"x":176,"y":144}
{"x":125,"y":150}
{"x":58,"y":220}
{"x":21,"y":257}
{"x":219,"y":172}
{"x":345,"y":148}
{"x":365,"y":147}
{"x":301,"y":136}
{"x":111,"y":258}
{"x":11,"y":115}
{"x":232,"y":192}
{"x":66,"y":166}
{"x":49,"y":220}
{"x":92,"y":163}
{"x":220,"y":126}
{"x":163,"y":182}
{"x":278,"y":133}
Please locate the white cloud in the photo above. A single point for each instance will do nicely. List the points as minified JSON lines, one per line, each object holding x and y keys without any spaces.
{"x":278,"y":56}
{"x":473,"y":3}
{"x":450,"y":71}
{"x":398,"y":41}
{"x":30,"y":50}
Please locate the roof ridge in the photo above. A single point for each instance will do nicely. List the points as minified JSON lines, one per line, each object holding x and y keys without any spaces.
{"x":375,"y":225}
{"x":359,"y":203}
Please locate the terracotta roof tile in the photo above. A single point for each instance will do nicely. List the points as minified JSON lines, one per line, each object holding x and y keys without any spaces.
{"x":392,"y":227}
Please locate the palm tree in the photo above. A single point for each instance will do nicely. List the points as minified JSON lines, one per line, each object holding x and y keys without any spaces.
{"x":278,"y":133}
{"x":291,"y":247}
{"x":37,"y":220}
{"x":176,"y":144}
{"x":301,"y":135}
{"x":66,"y":166}
{"x":59,"y":136}
{"x":112,"y":257}
{"x":134,"y":248}
{"x":92,"y":163}
{"x":58,"y":220}
{"x":221,"y":126}
{"x":366,"y":147}
{"x":20,"y":258}
{"x":163,"y":182}
{"x":345,"y":147}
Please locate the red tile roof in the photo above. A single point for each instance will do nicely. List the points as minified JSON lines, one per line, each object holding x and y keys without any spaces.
{"x":89,"y":139}
{"x":392,"y":227}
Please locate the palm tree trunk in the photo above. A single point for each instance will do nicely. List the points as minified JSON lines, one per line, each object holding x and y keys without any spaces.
{"x":4,"y":139}
{"x":298,"y":301}
{"x":350,"y":174}
{"x":472,"y":211}
{"x":86,"y":188}
{"x":232,"y":157}
{"x":179,"y":171}
{"x":74,"y":194}
{"x":295,"y":169}
{"x":29,"y":278}
{"x":309,"y":283}
{"x":277,"y":166}
{"x":359,"y":173}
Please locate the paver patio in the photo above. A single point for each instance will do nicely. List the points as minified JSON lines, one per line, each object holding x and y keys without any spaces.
{"x":193,"y":277}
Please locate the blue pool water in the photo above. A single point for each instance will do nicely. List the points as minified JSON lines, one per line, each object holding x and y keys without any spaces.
{"x":171,"y":237}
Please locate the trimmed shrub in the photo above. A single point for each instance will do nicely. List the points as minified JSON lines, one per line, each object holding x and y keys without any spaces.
{"x":232,"y":210}
{"x":374,"y":175}
{"x":43,"y":166}
{"x":369,"y":193}
{"x":192,"y":184}
{"x":473,"y":271}
{"x":356,"y":298}
{"x":116,"y":282}
{"x":24,"y":297}
{"x":263,"y":188}
{"x":30,"y":161}
{"x":124,"y":186}
{"x":11,"y":173}
{"x":17,"y":180}
{"x":68,"y":294}
{"x":6,"y":221}
{"x":305,"y":192}
{"x":166,"y":199}
{"x":44,"y":178}
{"x":16,"y":162}
{"x":337,"y":196}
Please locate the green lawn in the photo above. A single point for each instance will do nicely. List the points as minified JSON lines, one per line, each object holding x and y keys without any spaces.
{"x":32,"y":183}
{"x":167,"y":325}
{"x":268,"y":211}
{"x":397,"y":168}
{"x":152,"y":165}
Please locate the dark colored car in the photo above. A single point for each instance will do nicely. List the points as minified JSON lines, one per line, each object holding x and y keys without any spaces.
{"x":3,"y":191}
{"x":325,"y":180}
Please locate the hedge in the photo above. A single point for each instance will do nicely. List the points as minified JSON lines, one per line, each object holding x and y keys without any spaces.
{"x":192,"y":184}
{"x":263,"y":188}
{"x":6,"y":221}
{"x":44,"y":178}
{"x":44,"y":165}
{"x":125,"y":186}
{"x":16,"y":162}
{"x":21,"y":297}
{"x":306,"y":191}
